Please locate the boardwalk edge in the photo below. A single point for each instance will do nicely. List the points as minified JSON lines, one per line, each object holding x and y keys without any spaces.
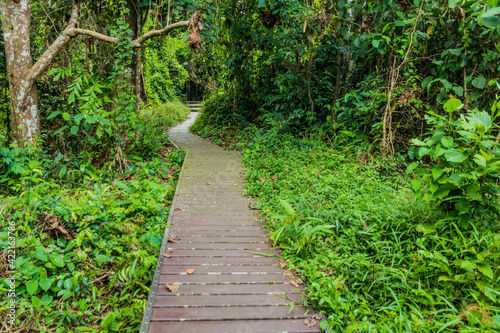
{"x":146,"y":319}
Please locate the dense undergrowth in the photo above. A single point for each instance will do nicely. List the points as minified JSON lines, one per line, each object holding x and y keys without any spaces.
{"x":86,"y":238}
{"x":376,"y":256}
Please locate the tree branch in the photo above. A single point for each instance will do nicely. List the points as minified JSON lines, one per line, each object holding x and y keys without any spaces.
{"x":41,"y":65}
{"x":136,"y":42}
{"x":105,"y":38}
{"x":161,"y":32}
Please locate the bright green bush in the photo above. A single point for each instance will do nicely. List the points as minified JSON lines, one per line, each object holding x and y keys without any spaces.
{"x":86,"y":254}
{"x":370,"y":254}
{"x":161,"y":117}
{"x":463,"y":177}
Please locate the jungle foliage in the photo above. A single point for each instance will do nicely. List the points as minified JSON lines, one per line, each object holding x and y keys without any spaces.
{"x":85,"y":207}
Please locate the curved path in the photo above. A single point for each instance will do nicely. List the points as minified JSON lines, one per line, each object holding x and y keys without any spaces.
{"x":237,"y":285}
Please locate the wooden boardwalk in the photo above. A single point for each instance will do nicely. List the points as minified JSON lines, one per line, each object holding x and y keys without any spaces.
{"x":236,"y":285}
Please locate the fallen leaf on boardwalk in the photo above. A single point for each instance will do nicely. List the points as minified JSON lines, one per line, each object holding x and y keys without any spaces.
{"x":177,"y":194}
{"x":310,"y":322}
{"x":166,"y":255}
{"x":293,"y":283}
{"x":262,"y":180}
{"x":281,"y":263}
{"x":190,"y":270}
{"x":208,"y":184}
{"x":172,"y":287}
{"x":289,"y":274}
{"x":174,"y":239}
{"x":178,"y":209}
{"x":235,"y":183}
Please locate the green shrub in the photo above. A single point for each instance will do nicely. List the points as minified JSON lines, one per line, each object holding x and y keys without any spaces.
{"x":86,"y":254}
{"x":161,"y":117}
{"x":463,"y":177}
{"x":369,"y":253}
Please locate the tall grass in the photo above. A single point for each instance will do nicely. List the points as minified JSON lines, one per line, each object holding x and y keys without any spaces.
{"x":163,"y":116}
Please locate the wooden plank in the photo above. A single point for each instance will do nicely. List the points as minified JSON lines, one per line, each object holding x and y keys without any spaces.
{"x":227,"y":260}
{"x":222,"y":269}
{"x":229,"y":289}
{"x":220,"y":246}
{"x":208,"y":253}
{"x":223,"y":279}
{"x":210,"y":227}
{"x":220,"y":233}
{"x":243,"y":326}
{"x":226,"y":300}
{"x":230,"y":313}
{"x":191,"y":240}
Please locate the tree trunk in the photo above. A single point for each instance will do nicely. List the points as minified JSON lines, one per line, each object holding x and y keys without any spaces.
{"x":24,"y":112}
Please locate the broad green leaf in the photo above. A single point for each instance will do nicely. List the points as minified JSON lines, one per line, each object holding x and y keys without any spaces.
{"x":490,"y":21}
{"x":426,"y":81}
{"x":74,"y":130}
{"x":411,"y":167}
{"x":53,"y":114}
{"x":31,"y":286}
{"x":481,"y":118}
{"x":486,"y":155}
{"x":433,"y":187}
{"x":41,"y":256}
{"x":458,"y":90}
{"x":455,"y":155}
{"x":465,"y":264}
{"x":416,"y":183}
{"x":486,"y":270}
{"x":261,"y":3}
{"x":418,"y":142}
{"x":479,"y":82}
{"x":47,"y":299}
{"x":102,"y":258}
{"x":452,"y":105}
{"x":62,"y":171}
{"x":104,"y":121}
{"x":57,"y":260}
{"x":436,"y":172}
{"x":447,"y":141}
{"x":472,"y":192}
{"x":45,"y":284}
{"x":446,"y":83}
{"x":423,"y":151}
{"x":441,"y":193}
{"x":79,"y":118}
{"x":375,"y":43}
{"x":445,"y":278}
{"x":36,"y":301}
{"x":453,"y":3}
{"x":479,"y":159}
{"x":65,"y":115}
